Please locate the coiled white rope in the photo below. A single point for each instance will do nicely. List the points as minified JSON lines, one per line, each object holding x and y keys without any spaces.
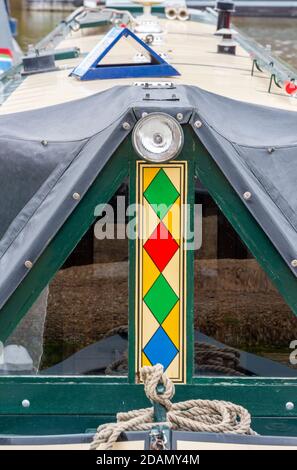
{"x":191,"y":415}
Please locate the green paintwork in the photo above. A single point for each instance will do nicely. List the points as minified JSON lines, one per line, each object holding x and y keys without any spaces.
{"x":94,"y":24}
{"x":63,"y":404}
{"x":38,"y":425}
{"x":263,"y":397}
{"x":132,"y":285}
{"x":134,"y":8}
{"x":69,"y":53}
{"x":189,"y":155}
{"x":49,"y":397}
{"x":75,"y":424}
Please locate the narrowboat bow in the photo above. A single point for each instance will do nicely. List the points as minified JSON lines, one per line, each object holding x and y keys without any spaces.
{"x":148,"y":216}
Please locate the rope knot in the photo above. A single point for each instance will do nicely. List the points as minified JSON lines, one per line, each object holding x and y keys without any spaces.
{"x":152,"y":376}
{"x":191,"y":415}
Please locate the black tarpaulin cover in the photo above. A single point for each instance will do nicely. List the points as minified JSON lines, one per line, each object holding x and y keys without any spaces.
{"x":48,"y":154}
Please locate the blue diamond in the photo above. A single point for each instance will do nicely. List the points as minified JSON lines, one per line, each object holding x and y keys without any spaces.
{"x":160,"y":349}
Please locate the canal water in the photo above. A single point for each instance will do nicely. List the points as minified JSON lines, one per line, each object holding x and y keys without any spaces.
{"x":280,"y":33}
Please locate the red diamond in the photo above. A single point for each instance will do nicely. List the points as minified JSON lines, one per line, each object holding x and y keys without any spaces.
{"x":161,"y":246}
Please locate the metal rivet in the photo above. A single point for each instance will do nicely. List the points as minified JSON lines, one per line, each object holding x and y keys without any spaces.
{"x":144,"y":114}
{"x":290,"y":406}
{"x":198,"y":124}
{"x":294,"y":263}
{"x":247,"y":195}
{"x":28,"y":264}
{"x":270,"y":150}
{"x":126,"y":126}
{"x":26,"y":403}
{"x":76,"y":196}
{"x":44,"y":143}
{"x":179,"y":116}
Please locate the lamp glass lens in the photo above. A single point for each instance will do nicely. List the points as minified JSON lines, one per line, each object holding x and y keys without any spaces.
{"x":158,"y":137}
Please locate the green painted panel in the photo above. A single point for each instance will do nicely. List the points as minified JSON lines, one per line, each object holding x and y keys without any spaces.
{"x":132,"y":284}
{"x":69,"y":53}
{"x":64,"y":424}
{"x":94,"y":24}
{"x":275,"y":426}
{"x":56,"y":398}
{"x":38,"y":425}
{"x":189,"y":154}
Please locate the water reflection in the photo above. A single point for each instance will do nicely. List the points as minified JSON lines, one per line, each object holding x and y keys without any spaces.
{"x":280,"y":33}
{"x":33,"y":25}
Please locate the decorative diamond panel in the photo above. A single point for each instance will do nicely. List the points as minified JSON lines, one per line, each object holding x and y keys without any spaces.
{"x":161,"y":267}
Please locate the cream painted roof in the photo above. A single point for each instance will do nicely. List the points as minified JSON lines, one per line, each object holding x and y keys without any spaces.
{"x":191,"y":47}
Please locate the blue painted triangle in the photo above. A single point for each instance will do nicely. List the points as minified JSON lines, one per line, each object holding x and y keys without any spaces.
{"x":92,"y":69}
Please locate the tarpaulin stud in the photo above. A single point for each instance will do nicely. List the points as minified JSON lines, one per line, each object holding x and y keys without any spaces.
{"x":294,"y":263}
{"x":290,"y":406}
{"x":76,"y":196}
{"x":28,"y":264}
{"x":198,"y":124}
{"x":247,"y":195}
{"x":44,"y":143}
{"x":126,"y":126}
{"x":26,"y":403}
{"x":270,"y":149}
{"x":179,"y":116}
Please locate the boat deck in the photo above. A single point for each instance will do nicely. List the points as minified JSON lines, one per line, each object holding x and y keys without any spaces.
{"x":191,"y":48}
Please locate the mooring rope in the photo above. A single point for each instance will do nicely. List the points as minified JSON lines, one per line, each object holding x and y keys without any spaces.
{"x":215,"y":359}
{"x":208,"y":357}
{"x":191,"y":415}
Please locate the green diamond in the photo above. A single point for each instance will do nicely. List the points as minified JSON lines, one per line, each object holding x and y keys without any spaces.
{"x":161,"y":194}
{"x":160,"y":299}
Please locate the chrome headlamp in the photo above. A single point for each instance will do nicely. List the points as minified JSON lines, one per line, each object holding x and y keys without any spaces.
{"x":158,"y":137}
